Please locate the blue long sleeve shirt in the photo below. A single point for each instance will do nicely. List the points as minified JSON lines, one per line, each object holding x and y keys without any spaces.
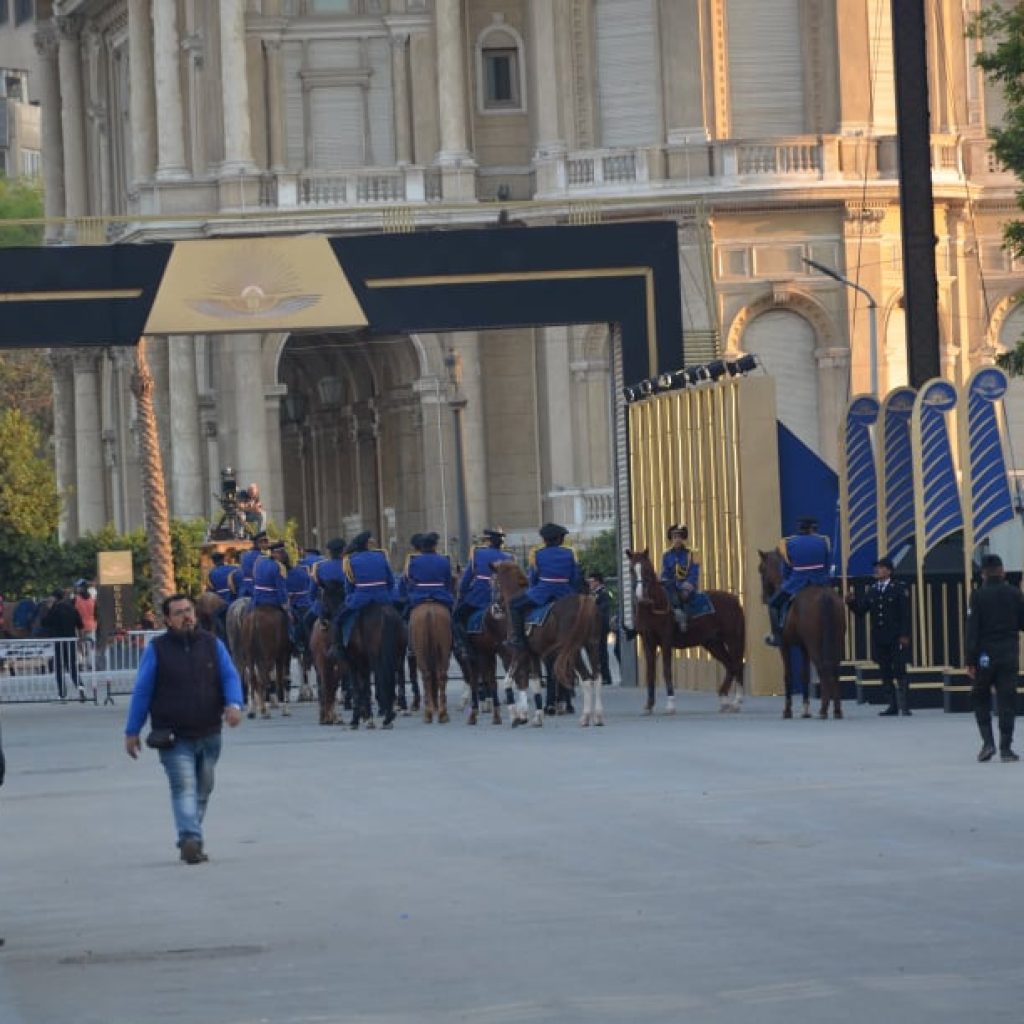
{"x":145,"y":681}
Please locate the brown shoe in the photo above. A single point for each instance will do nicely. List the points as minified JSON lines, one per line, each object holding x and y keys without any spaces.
{"x":192,"y":851}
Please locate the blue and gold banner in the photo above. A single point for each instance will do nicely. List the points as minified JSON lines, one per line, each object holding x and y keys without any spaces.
{"x":896,"y":474}
{"x":859,"y":486}
{"x":939,"y":513}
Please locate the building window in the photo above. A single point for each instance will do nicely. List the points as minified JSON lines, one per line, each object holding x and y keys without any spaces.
{"x":23,"y":11}
{"x":499,"y":62}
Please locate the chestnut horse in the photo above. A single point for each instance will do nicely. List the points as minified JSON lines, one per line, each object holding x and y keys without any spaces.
{"x":328,"y":670}
{"x":267,"y":652}
{"x":722,"y":633}
{"x":430,"y":637}
{"x":816,"y":628}
{"x":208,"y":608}
{"x":572,"y":627}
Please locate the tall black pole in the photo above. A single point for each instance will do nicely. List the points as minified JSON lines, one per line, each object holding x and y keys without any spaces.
{"x":917,"y":209}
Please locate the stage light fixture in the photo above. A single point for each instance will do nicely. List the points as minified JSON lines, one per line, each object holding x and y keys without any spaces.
{"x":716,"y":370}
{"x":630,"y":393}
{"x":646,"y":388}
{"x":693,"y":375}
{"x":743,"y":365}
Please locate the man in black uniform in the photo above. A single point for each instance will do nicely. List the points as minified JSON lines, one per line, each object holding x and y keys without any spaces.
{"x":888,"y":604}
{"x":994,"y":617}
{"x":595,"y":581}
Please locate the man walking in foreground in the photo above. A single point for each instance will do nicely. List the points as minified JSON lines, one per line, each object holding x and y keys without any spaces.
{"x":994,"y":617}
{"x":186,"y":685}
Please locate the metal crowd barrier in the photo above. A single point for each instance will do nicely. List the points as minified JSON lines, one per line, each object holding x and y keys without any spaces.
{"x":37,"y":670}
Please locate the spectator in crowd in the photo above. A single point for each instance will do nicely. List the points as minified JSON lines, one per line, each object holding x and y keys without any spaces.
{"x":605,"y":604}
{"x":995,"y":616}
{"x":61,"y":623}
{"x":85,"y":605}
{"x":186,"y":685}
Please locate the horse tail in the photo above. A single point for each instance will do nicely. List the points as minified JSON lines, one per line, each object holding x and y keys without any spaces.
{"x":575,"y":639}
{"x":387,"y":662}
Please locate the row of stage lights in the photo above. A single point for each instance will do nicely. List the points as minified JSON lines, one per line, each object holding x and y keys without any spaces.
{"x":691,"y":377}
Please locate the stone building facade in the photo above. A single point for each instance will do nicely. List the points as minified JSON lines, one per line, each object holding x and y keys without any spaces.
{"x":764,"y":128}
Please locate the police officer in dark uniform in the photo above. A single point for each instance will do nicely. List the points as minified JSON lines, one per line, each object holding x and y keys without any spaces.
{"x":888,"y":604}
{"x":554,"y":572}
{"x":994,"y":617}
{"x":605,"y":608}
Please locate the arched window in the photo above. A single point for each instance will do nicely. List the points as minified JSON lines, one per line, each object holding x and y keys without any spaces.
{"x":500,"y":70}
{"x":785,"y":342}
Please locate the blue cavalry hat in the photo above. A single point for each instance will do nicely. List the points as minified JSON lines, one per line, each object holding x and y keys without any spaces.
{"x":278,"y":545}
{"x":552,"y":531}
{"x":494,"y":535}
{"x":316,"y":551}
{"x":885,"y":563}
{"x":335,"y":545}
{"x":429,"y":540}
{"x":416,"y":541}
{"x":360,"y":541}
{"x":992,"y":562}
{"x":679,"y":528}
{"x":807,"y":523}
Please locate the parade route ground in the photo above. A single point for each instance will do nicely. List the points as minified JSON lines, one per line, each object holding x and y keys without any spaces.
{"x":700,"y":868}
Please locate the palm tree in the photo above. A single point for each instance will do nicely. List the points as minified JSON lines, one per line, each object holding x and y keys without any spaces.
{"x":158,"y":525}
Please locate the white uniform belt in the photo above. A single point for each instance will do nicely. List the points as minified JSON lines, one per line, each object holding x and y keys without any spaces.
{"x":486,"y":579}
{"x":418,"y":583}
{"x":553,"y":579}
{"x":807,"y":568}
{"x":260,"y":586}
{"x":378,"y":583}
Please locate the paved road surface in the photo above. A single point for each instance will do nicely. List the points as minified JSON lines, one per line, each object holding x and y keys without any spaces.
{"x":703,"y":868}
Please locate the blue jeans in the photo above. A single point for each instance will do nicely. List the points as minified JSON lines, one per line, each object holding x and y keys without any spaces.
{"x":189,"y":765}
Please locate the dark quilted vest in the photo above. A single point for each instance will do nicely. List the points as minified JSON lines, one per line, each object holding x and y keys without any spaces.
{"x":187,"y":696}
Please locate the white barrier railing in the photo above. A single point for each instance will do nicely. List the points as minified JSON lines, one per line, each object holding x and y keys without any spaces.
{"x":53,"y":670}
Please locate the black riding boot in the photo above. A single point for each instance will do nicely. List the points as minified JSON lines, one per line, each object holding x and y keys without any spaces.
{"x":903,"y":696}
{"x":774,"y":638}
{"x":517,"y":619}
{"x":988,"y":743}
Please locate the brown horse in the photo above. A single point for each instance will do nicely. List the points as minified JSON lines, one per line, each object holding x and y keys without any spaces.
{"x":722,"y":634}
{"x":376,"y":646}
{"x":208,"y":608}
{"x":572,"y":627}
{"x":328,"y":671}
{"x":430,"y":636}
{"x":816,"y":629}
{"x":267,"y":651}
{"x":480,"y":665}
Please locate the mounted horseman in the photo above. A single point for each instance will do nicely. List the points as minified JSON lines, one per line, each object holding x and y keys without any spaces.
{"x":242,"y":580}
{"x":476,"y":586}
{"x":680,"y":572}
{"x":427,"y":581}
{"x":327,"y":595}
{"x":266,"y":630}
{"x":212,"y":605}
{"x":806,"y":562}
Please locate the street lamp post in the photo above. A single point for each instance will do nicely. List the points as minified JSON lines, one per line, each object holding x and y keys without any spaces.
{"x":872,"y":316}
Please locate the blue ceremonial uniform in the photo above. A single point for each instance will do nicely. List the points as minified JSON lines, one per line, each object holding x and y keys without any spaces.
{"x":806,"y":559}
{"x":246,"y":563}
{"x":679,"y":567}
{"x":328,"y":572}
{"x":477,"y":581}
{"x":368,"y":579}
{"x":428,"y":577}
{"x":554,"y":572}
{"x":219,"y":581}
{"x":297,"y":585}
{"x":268,"y":583}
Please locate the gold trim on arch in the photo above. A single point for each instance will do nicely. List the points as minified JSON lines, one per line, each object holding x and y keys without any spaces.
{"x":78,"y":295}
{"x":647,"y":273}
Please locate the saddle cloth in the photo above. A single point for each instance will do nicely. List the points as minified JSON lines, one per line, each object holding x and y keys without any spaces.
{"x":699,"y":605}
{"x":475,"y":623}
{"x":537,"y":616}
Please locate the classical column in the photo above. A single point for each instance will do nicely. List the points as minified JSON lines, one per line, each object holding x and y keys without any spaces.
{"x":466,"y":345}
{"x":46,"y":42}
{"x":234,"y":89}
{"x":73,"y":124}
{"x":403,"y":99}
{"x":251,"y":461}
{"x":170,"y":118}
{"x":275,"y":99}
{"x":854,"y":58}
{"x":683,"y":43}
{"x":550,"y":139}
{"x":186,"y":455}
{"x":558,"y":437}
{"x":272,"y":485}
{"x":451,"y":82}
{"x":64,"y":439}
{"x":89,"y":469}
{"x":141,"y":97}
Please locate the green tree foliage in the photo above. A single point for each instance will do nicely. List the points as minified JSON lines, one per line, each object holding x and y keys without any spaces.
{"x":29,"y":499}
{"x":602,"y":555}
{"x":21,"y":200}
{"x":1001,"y":29}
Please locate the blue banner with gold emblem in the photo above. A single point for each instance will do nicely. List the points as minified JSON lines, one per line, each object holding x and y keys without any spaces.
{"x":939,"y":513}
{"x":897,"y":475}
{"x":988,"y":500}
{"x":860,"y":485}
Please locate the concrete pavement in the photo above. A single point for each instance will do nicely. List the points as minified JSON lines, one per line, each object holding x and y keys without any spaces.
{"x":704,"y":867}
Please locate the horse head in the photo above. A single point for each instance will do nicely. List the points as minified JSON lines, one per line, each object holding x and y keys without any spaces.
{"x":508,"y":581}
{"x":645,"y":579}
{"x":770,"y":567}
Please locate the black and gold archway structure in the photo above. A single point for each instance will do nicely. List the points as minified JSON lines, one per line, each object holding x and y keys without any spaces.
{"x":626,"y":274}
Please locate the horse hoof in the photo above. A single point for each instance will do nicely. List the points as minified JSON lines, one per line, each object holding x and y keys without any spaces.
{"x":584,"y":721}
{"x":265,"y":715}
{"x":354,"y":725}
{"x":285,"y":712}
{"x":428,"y":718}
{"x":251,"y":714}
{"x":538,"y":720}
{"x":787,"y":713}
{"x":471,"y":718}
{"x":837,"y":713}
{"x":599,"y":720}
{"x":516,"y":722}
{"x":387,"y":725}
{"x":496,"y":719}
{"x":442,"y":719}
{"x":370,"y":724}
{"x":416,"y":704}
{"x":823,"y":715}
{"x":648,"y":710}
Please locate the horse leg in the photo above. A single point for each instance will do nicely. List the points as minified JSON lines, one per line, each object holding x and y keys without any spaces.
{"x":598,"y":702}
{"x":666,"y":675}
{"x":442,"y":692}
{"x":787,"y":677}
{"x":650,"y":668}
{"x":588,"y":702}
